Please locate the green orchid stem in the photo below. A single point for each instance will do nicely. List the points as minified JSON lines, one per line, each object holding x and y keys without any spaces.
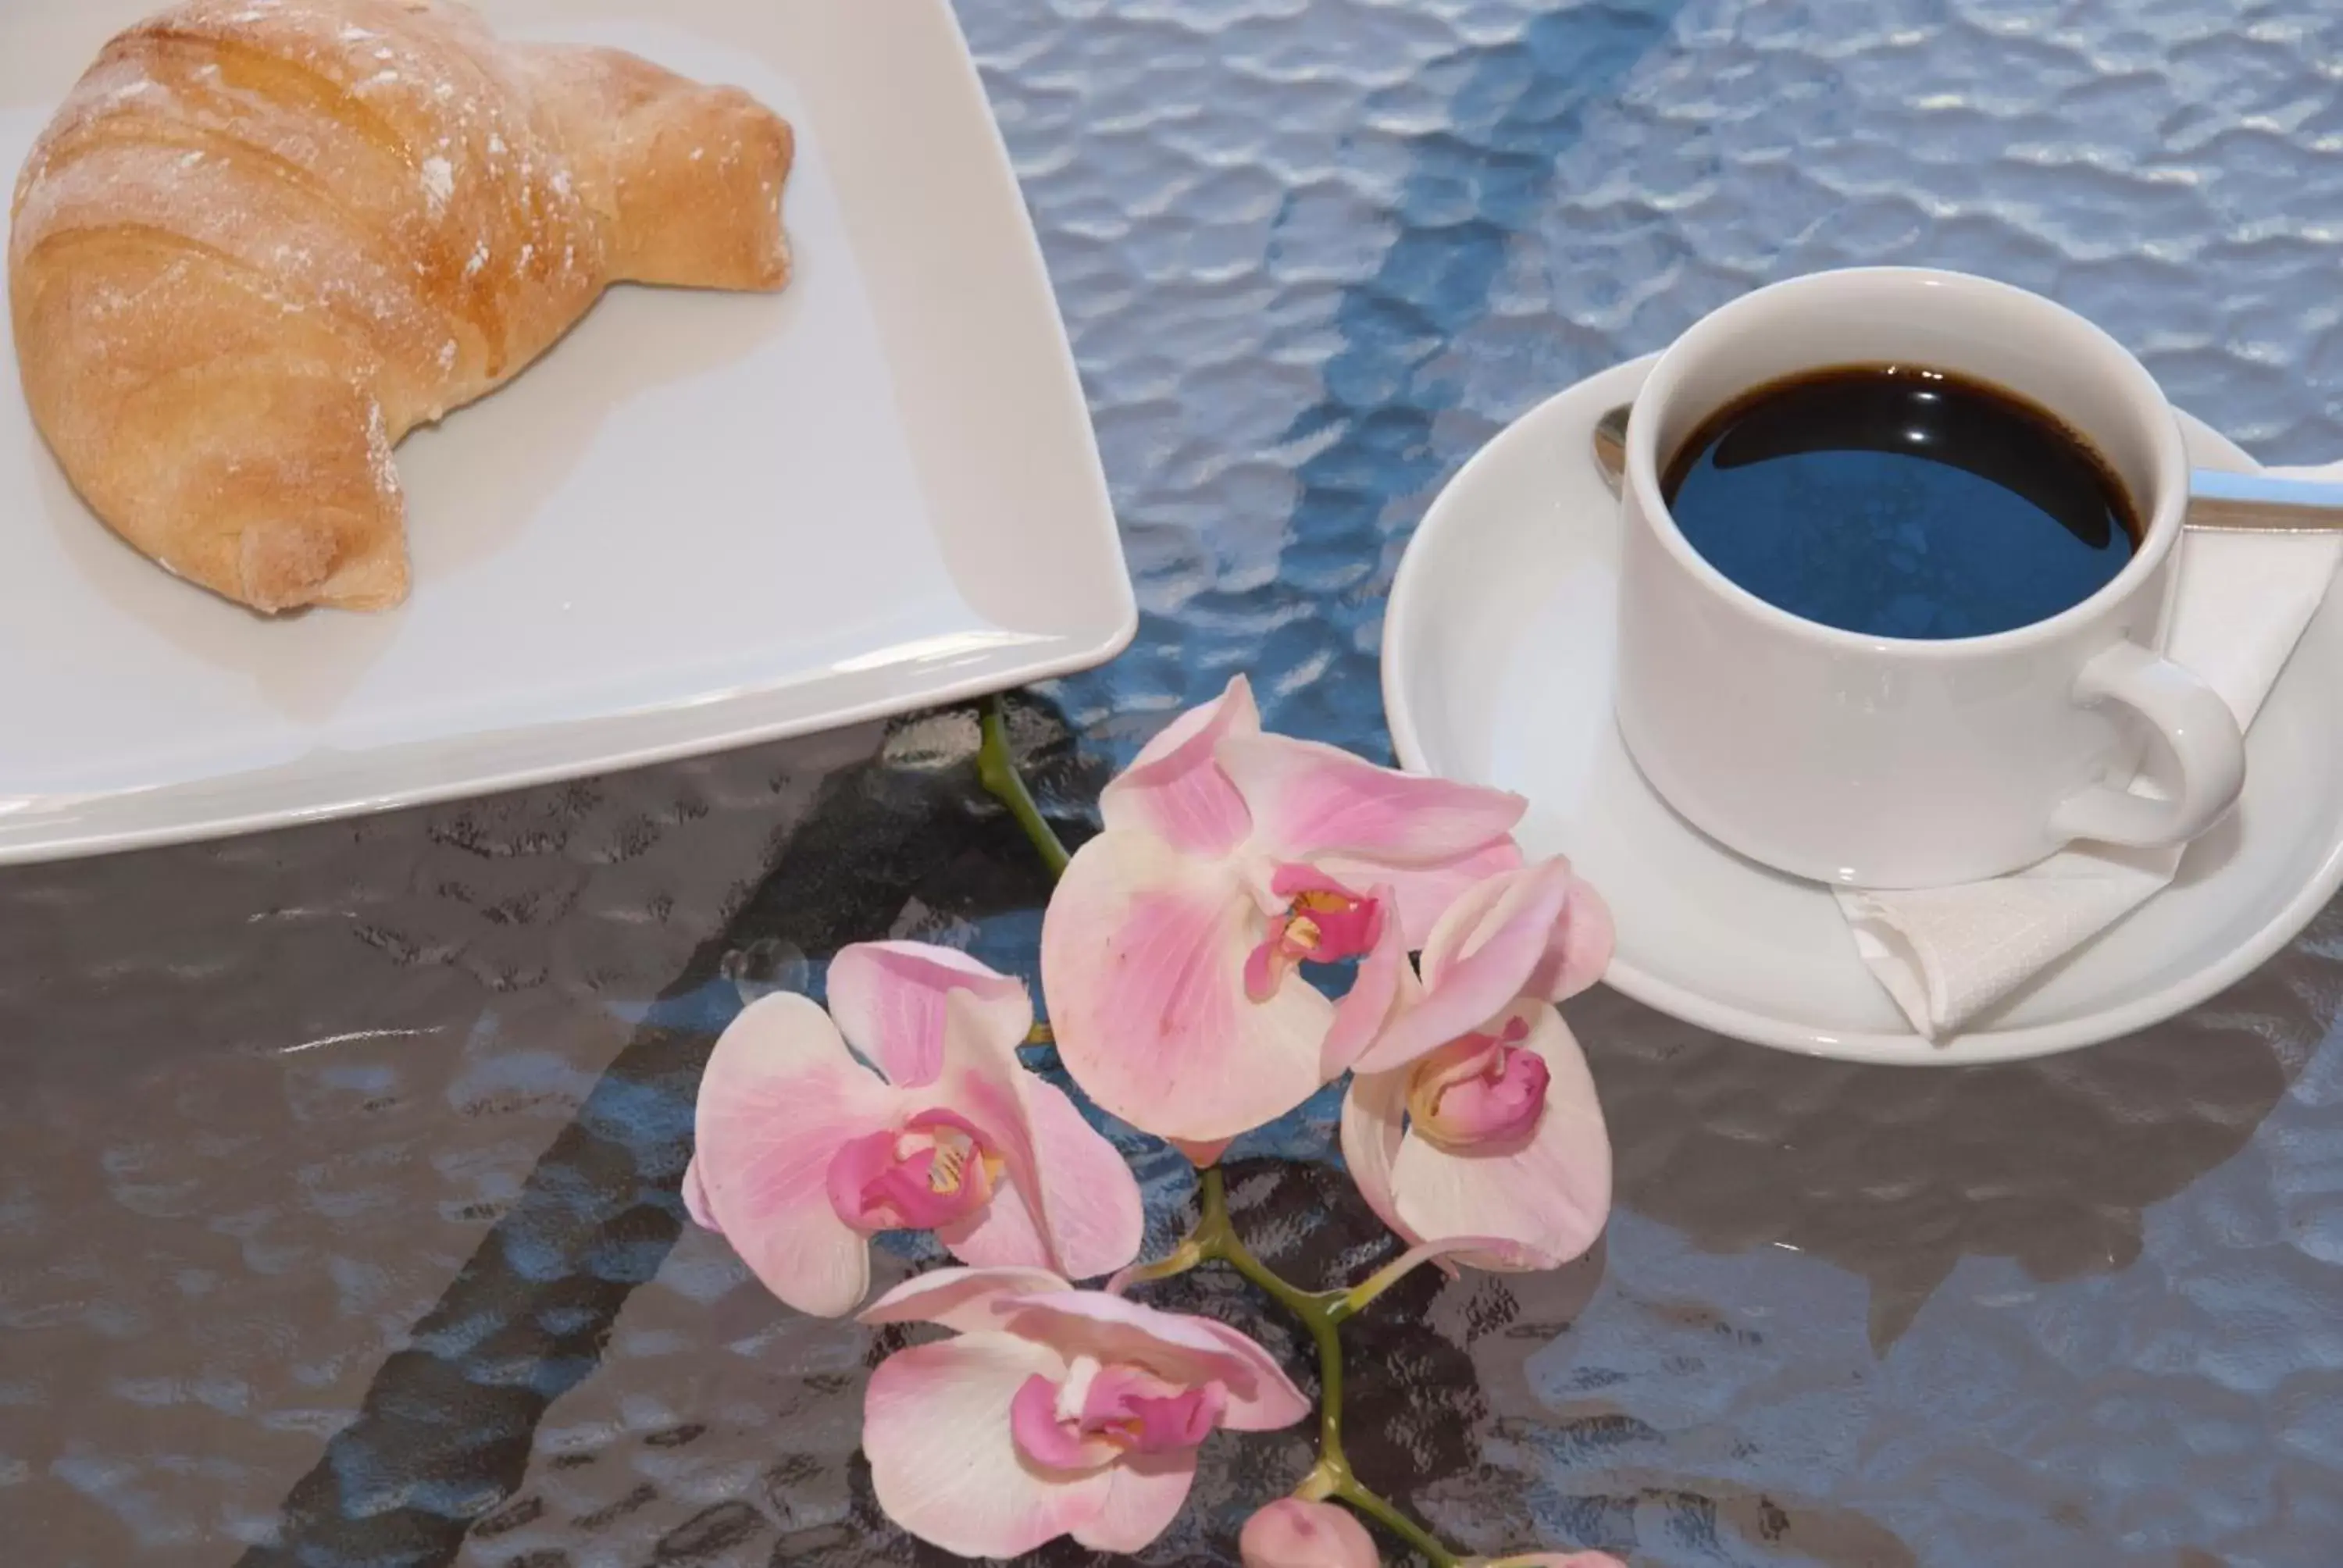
{"x":1184,"y":1257}
{"x":1427,"y":1543}
{"x":997,"y":769}
{"x":1360,"y":1296}
{"x":1322,"y":1312}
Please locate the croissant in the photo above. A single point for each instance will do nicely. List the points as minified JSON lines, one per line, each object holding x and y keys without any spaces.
{"x":263,"y":239}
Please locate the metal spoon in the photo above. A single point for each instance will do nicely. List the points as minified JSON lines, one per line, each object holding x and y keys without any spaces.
{"x":2224,"y":502}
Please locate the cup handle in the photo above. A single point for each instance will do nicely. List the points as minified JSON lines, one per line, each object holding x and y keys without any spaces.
{"x":2197,"y":726}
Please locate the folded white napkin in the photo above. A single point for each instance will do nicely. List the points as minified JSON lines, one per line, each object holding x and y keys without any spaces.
{"x":1946,"y":954}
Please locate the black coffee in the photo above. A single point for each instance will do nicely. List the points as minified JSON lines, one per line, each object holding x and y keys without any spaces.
{"x":1900,"y":502}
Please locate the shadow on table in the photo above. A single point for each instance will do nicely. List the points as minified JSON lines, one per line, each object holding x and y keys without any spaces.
{"x":444,"y":1433}
{"x":1896,"y":1174}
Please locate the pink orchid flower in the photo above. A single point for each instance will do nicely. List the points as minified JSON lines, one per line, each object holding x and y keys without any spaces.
{"x":805,"y":1153}
{"x":1056,"y":1411}
{"x":1172,"y":951}
{"x":1292,"y":1533}
{"x":1472,"y":1113}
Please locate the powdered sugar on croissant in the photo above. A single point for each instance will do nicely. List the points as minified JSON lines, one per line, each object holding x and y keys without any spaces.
{"x":263,"y":239}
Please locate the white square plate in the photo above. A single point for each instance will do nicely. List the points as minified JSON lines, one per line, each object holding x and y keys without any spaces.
{"x":704,"y":519}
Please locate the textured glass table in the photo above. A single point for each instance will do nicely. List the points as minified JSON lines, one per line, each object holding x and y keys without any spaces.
{"x":338,"y":1167}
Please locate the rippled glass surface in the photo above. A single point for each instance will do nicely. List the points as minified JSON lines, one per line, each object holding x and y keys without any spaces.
{"x":337,"y":1213}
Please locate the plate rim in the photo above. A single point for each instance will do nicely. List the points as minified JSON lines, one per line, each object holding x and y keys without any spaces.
{"x":1905,"y":1049}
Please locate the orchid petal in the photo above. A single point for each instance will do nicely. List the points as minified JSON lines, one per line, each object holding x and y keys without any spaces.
{"x":1266,"y":1400}
{"x":1051,"y":1442}
{"x":1512,"y":1257}
{"x":781,"y":1097}
{"x":985,"y":1084}
{"x":1144,"y":1496}
{"x":1183,"y":1349}
{"x":1479,"y":1091}
{"x":1374,"y":1123}
{"x":889,"y":1001}
{"x":1422,"y":893}
{"x":1579,"y":937}
{"x":935,"y":1172}
{"x":1374,"y":995}
{"x":1004,"y":1234}
{"x":1143,"y":957}
{"x":1308,"y":798}
{"x":966,"y":1301}
{"x":1497,"y":913}
{"x":944,"y":1462}
{"x":1176,"y":789}
{"x":1155,"y":1415}
{"x":1292,"y":1533}
{"x":695,"y":1196}
{"x":1550,"y":1194}
{"x":1478,"y":960}
{"x":1095,"y":1216}
{"x":1579,"y":949}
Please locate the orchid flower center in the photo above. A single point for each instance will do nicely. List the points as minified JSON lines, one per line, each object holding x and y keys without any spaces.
{"x":1479,"y":1090}
{"x":938,"y":1168}
{"x":1322,"y":922}
{"x":1099,"y":1411}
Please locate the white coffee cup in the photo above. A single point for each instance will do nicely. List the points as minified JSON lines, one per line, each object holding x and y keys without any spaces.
{"x":1885,"y":762}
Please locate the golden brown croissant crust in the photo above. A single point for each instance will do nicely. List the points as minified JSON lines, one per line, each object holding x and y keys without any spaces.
{"x":263,"y":239}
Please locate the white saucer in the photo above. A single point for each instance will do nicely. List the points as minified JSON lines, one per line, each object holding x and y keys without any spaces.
{"x":1497,"y":664}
